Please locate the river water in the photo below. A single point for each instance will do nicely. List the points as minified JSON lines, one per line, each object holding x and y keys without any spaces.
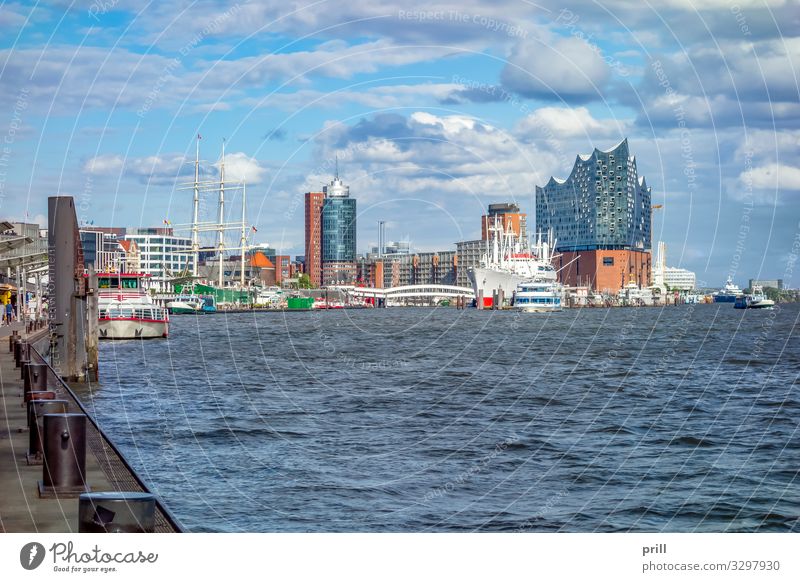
{"x":629,"y":419}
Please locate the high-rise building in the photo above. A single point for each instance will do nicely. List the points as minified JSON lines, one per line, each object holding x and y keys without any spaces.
{"x":509,"y":217}
{"x":599,"y":218}
{"x":313,"y":257}
{"x":338,"y":234}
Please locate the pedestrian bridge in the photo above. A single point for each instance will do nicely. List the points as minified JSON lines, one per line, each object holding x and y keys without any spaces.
{"x":411,"y":291}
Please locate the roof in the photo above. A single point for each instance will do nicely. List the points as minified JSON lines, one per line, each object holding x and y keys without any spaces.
{"x":127,"y":244}
{"x":260,"y":260}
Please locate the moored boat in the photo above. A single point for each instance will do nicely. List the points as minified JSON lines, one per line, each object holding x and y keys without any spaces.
{"x":185,"y":304}
{"x":126,"y":311}
{"x":508,"y":262}
{"x":728,"y":293}
{"x":538,"y":296}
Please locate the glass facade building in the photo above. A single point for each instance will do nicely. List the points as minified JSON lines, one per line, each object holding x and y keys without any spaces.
{"x":603,"y":204}
{"x":339,"y":230}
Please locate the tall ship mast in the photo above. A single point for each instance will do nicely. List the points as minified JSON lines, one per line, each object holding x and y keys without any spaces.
{"x":233,"y":292}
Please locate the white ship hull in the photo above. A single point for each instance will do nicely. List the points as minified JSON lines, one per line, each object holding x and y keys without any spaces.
{"x":539,"y":308}
{"x":490,"y":281}
{"x":132,"y":329}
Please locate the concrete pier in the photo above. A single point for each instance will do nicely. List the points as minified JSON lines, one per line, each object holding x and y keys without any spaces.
{"x":21,"y":508}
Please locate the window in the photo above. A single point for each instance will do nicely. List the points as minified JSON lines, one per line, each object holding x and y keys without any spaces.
{"x":608,"y":261}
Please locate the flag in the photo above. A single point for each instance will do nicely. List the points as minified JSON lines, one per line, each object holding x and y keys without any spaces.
{"x":254,"y":229}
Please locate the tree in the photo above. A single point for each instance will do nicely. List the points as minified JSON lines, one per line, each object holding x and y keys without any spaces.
{"x":773,"y":293}
{"x":304,"y":281}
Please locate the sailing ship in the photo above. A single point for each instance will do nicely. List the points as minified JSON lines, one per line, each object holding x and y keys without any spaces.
{"x":216,"y":291}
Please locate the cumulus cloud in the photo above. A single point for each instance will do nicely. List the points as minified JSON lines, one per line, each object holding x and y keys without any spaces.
{"x":104,"y":165}
{"x":561,"y":69}
{"x":241,"y":167}
{"x":565,"y":123}
{"x":772,"y":176}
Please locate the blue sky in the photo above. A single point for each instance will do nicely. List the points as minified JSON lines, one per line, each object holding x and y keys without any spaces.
{"x":434,"y":109}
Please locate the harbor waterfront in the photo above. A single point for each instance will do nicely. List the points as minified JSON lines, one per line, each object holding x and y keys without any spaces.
{"x":415,"y":420}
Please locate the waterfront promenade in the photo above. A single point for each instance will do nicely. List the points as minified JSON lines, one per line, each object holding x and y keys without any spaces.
{"x":21,"y":509}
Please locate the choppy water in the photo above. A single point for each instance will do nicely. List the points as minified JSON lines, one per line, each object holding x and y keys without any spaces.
{"x":675,"y":419}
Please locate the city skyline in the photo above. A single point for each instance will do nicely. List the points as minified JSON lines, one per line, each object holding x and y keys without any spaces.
{"x":434,"y":114}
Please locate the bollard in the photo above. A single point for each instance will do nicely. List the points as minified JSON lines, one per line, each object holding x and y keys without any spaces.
{"x":117,"y":512}
{"x":11,"y":339}
{"x":64,"y":449}
{"x":36,"y":409}
{"x":22,"y":364}
{"x":34,"y":377}
{"x":21,"y":352}
{"x":39,"y":395}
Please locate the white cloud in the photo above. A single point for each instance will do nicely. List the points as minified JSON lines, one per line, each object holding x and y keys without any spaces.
{"x":105,"y":164}
{"x":564,"y":123}
{"x":557,"y":69}
{"x":772,"y":176}
{"x":240,"y":166}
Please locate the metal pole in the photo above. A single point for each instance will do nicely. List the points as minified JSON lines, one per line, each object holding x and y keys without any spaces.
{"x":221,"y":244}
{"x":195,"y":235}
{"x":244,"y":233}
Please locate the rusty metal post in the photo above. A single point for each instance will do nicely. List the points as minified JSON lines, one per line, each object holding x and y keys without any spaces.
{"x":117,"y":512}
{"x":39,"y":395}
{"x":36,"y":409}
{"x":34,"y":377}
{"x":64,"y":444}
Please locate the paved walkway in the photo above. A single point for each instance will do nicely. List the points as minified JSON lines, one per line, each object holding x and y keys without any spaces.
{"x":21,"y":509}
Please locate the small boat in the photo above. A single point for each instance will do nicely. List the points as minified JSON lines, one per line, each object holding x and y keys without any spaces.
{"x":185,"y":304}
{"x":209,"y":304}
{"x":126,"y":310}
{"x":538,"y":296}
{"x":728,"y":293}
{"x":754,"y":300}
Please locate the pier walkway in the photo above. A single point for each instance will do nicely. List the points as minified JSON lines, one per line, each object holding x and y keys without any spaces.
{"x":21,"y":509}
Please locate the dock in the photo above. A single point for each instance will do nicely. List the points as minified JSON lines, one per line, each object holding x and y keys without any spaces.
{"x":21,"y":508}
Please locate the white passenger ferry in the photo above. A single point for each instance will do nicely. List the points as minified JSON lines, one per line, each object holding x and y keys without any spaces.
{"x":126,"y":311}
{"x":538,"y":296}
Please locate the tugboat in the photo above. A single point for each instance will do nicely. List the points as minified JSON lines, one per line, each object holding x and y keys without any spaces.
{"x":126,"y":311}
{"x":754,"y":300}
{"x":728,"y":293}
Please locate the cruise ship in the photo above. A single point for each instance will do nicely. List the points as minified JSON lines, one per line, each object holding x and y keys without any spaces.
{"x":728,"y":293}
